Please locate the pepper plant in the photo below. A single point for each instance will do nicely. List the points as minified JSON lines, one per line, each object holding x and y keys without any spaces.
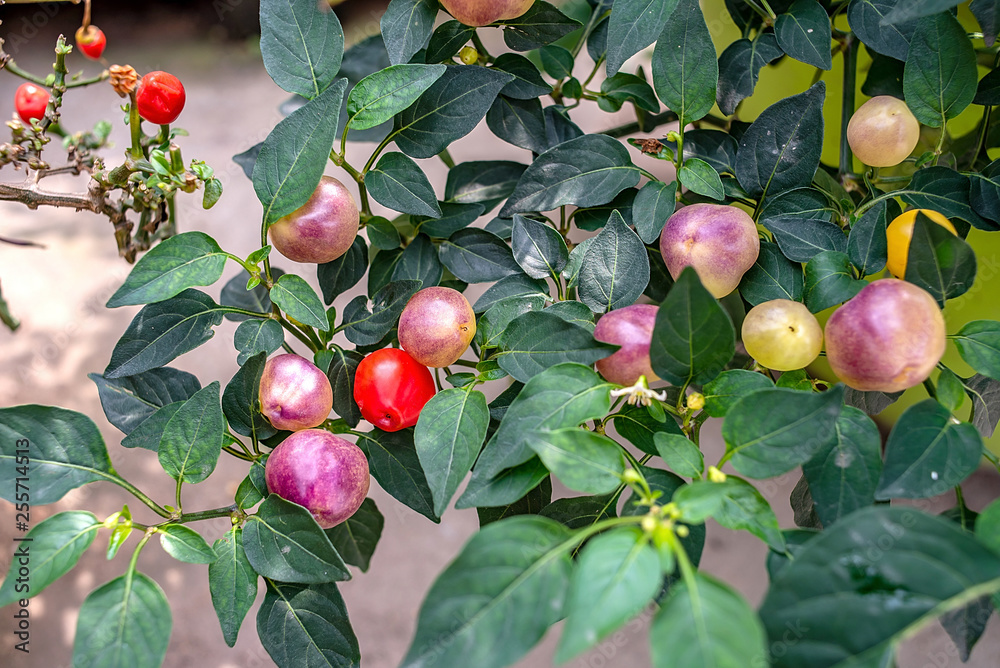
{"x":554,"y":244}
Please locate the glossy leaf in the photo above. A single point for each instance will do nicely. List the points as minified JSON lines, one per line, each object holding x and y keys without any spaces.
{"x":185,"y":544}
{"x":634,"y":25}
{"x":582,"y":460}
{"x":685,"y":69}
{"x":184,"y":261}
{"x":366,"y":327}
{"x":866,"y":245}
{"x":739,"y":67}
{"x":307,"y":625}
{"x":803,"y":32}
{"x":527,"y":83}
{"x":341,"y":374}
{"x":542,"y":24}
{"x":419,"y":262}
{"x":518,"y":122}
{"x":636,"y":425}
{"x":978,"y":343}
{"x":801,"y":239}
{"x":940,"y":77}
{"x":653,"y":205}
{"x":478,"y":256}
{"x":380,"y":96}
{"x":297,"y":298}
{"x":946,"y":191}
{"x":537,"y":341}
{"x":301,"y":44}
{"x":939,"y":262}
{"x":232,"y":582}
{"x":257,"y":336}
{"x":866,"y":19}
{"x":772,"y":276}
{"x":734,"y":504}
{"x":356,"y":537}
{"x":538,"y":248}
{"x":729,"y":387}
{"x":192,"y":439}
{"x":398,"y":183}
{"x":240,"y":400}
{"x":130,"y":400}
{"x":393,"y":460}
{"x":681,"y":455}
{"x":615,"y":268}
{"x":486,"y":182}
{"x":406,"y":27}
{"x":830,"y":281}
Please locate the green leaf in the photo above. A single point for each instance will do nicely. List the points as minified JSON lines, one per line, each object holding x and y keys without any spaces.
{"x":380,"y":96}
{"x":866,"y":245}
{"x":65,"y":450}
{"x":509,"y":486}
{"x":294,"y":155}
{"x":447,"y":40}
{"x":234,"y":293}
{"x":532,"y":503}
{"x":129,"y":401}
{"x":734,"y":504}
{"x":986,"y":12}
{"x":477,"y":256}
{"x":398,"y":183}
{"x":885,"y":77}
{"x":302,"y":46}
{"x":419,"y":262}
{"x":578,"y":512}
{"x":342,"y":274}
{"x":542,"y":24}
{"x":406,"y":27}
{"x":950,"y":390}
{"x":497,"y":599}
{"x":830,"y":281}
{"x":705,"y":623}
{"x":180,"y":262}
{"x":149,"y":433}
{"x":729,"y":387}
{"x":232,"y":582}
{"x":636,"y":425}
{"x":163,"y":331}
{"x":454,"y":217}
{"x":341,"y":374}
{"x":486,"y":182}
{"x":701,"y":178}
{"x":193,"y":438}
{"x":241,"y":399}
{"x":538,"y":248}
{"x":770,"y":432}
{"x":985,"y":395}
{"x":448,"y":437}
{"x":297,"y":298}
{"x":685,"y":69}
{"x":693,"y":338}
{"x":843,"y":476}
{"x":528,"y":83}
{"x":939,"y":262}
{"x":584,"y":461}
{"x":927,"y":453}
{"x":803,"y":32}
{"x":585,"y":171}
{"x":616,"y":575}
{"x":888,"y":566}
{"x":448,"y":110}
{"x":185,"y":544}
{"x":615,"y":268}
{"x":652,"y":207}
{"x":988,"y":526}
{"x":773,"y":276}
{"x":622,"y":88}
{"x":798,"y":203}
{"x":739,"y":66}
{"x":872,"y":403}
{"x":283,"y":542}
{"x":940,"y":76}
{"x":55,"y":545}
{"x":984,"y":193}
{"x":680,"y":454}
{"x":801,"y":239}
{"x":866,"y":19}
{"x":946,"y":191}
{"x":537,"y":341}
{"x":123,"y":624}
{"x":392,"y":457}
{"x":518,"y":122}
{"x":307,"y":625}
{"x":915,"y":9}
{"x":781,"y":150}
{"x":978,"y":343}
{"x":257,"y":336}
{"x":634,"y":25}
{"x":356,"y":537}
{"x":366,"y":327}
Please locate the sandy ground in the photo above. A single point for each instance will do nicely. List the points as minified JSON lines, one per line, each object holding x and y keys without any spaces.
{"x":59,"y":294}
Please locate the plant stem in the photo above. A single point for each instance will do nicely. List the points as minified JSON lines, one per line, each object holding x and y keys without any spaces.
{"x":687,"y":569}
{"x":177,"y":497}
{"x":134,"y":123}
{"x":847,"y":102}
{"x":447,"y":159}
{"x":137,"y":493}
{"x":484,"y":55}
{"x":207,"y":514}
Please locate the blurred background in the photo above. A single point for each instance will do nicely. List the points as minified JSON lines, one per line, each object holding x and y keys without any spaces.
{"x":59,"y":292}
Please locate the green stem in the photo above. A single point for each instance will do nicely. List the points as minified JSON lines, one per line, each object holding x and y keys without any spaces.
{"x":135,"y":126}
{"x":244,"y":455}
{"x":241,"y":311}
{"x":847,"y":102}
{"x":595,"y":18}
{"x":293,"y":330}
{"x":177,"y":496}
{"x":377,"y":151}
{"x":240,"y":261}
{"x":484,"y":55}
{"x":687,"y":569}
{"x":207,"y":514}
{"x":137,"y":493}
{"x":770,"y":12}
{"x":447,"y":159}
{"x":135,"y":557}
{"x":466,"y":363}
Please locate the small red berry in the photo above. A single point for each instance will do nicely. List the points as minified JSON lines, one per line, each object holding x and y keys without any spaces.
{"x":30,"y":101}
{"x":160,"y":98}
{"x":91,"y":42}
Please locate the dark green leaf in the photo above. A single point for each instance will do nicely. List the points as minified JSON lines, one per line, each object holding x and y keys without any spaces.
{"x":342,"y":274}
{"x":518,"y":583}
{"x":150,"y":431}
{"x":241,"y":398}
{"x":685,"y":69}
{"x":161,"y":332}
{"x":773,"y":276}
{"x":582,"y":460}
{"x":538,"y":248}
{"x":965,"y":626}
{"x":693,"y":338}
{"x":486,"y":182}
{"x":419,"y":262}
{"x":940,"y":77}
{"x":454,"y":217}
{"x":559,"y":127}
{"x":622,"y":88}
{"x":801,"y":203}
{"x":341,"y":374}
{"x":448,"y":437}
{"x":302,"y":46}
{"x":871,"y":403}
{"x":915,"y":9}
{"x":842,"y":477}
{"x":734,"y":503}
{"x":532,"y":503}
{"x":193,"y":438}
{"x":448,"y":110}
{"x":713,"y":146}
{"x":283,"y":542}
{"x":129,"y":401}
{"x":577,"y":512}
{"x":447,"y":40}
{"x":803,"y":32}
{"x":950,"y":390}
{"x":988,"y":14}
{"x":638,"y":427}
{"x":615,"y":268}
{"x":634,"y":25}
{"x":512,"y":286}
{"x":406,"y":27}
{"x":705,"y":623}
{"x":55,"y":545}
{"x":938,"y":261}
{"x":781,"y":150}
{"x":946,"y":191}
{"x":395,"y":465}
{"x":364,"y":327}
{"x":255,"y":336}
{"x":739,"y":66}
{"x":830,"y":281}
{"x":596,"y":217}
{"x":477,"y":256}
{"x":181,"y":262}
{"x":297,"y":298}
{"x":680,"y":454}
{"x":123,"y":624}
{"x":509,"y":486}
{"x":185,"y":544}
{"x":927,"y":453}
{"x":801,"y":239}
{"x":537,"y":341}
{"x":701,"y":178}
{"x":615,"y":576}
{"x":398,"y":183}
{"x":557,"y":61}
{"x":730,"y":386}
{"x":294,"y":155}
{"x":232,"y":582}
{"x":889,"y":566}
{"x":866,"y":244}
{"x":235,"y":293}
{"x":653,"y":206}
{"x":585,"y":171}
{"x":66,"y":451}
{"x":574,"y":312}
{"x":356,"y":537}
{"x":885,"y":77}
{"x":770,"y":432}
{"x":527,"y":83}
{"x":247,"y":159}
{"x":495,"y":320}
{"x":865,"y":17}
{"x":984,"y":192}
{"x":380,"y":96}
{"x":303,"y":625}
{"x":518,"y":122}
{"x":978,"y":343}
{"x":985,"y":395}
{"x":542,"y":24}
